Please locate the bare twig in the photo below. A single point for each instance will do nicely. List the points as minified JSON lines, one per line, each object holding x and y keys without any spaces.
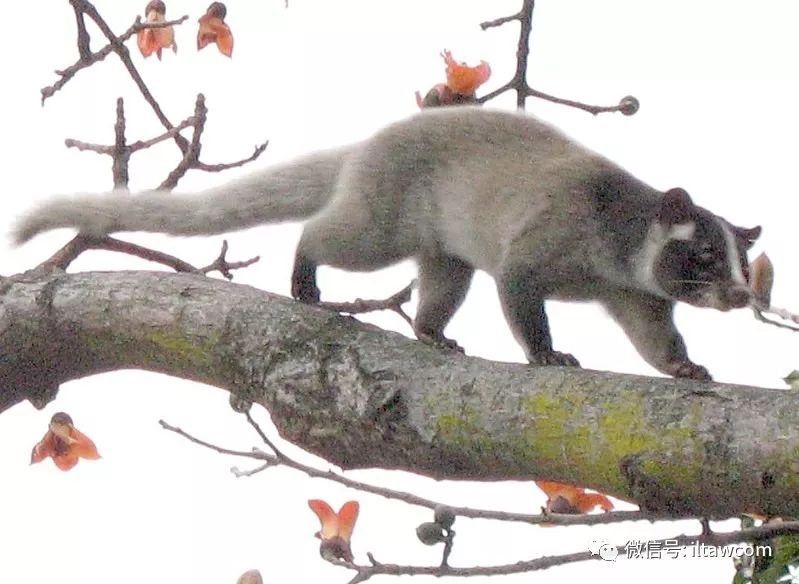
{"x":278,"y":454}
{"x":145,"y":253}
{"x":83,"y":36}
{"x":359,"y":306}
{"x":144,"y":144}
{"x":257,"y":151}
{"x":116,"y":45}
{"x":754,"y":534}
{"x":450,"y":539}
{"x":224,"y":267}
{"x":190,"y":158}
{"x":65,"y":75}
{"x":67,"y":254}
{"x":500,"y":21}
{"x":87,"y":58}
{"x":112,"y":244}
{"x":238,"y":473}
{"x":121,"y":152}
{"x":203,"y":443}
{"x":169,"y":134}
{"x":89,"y":147}
{"x":761,"y":310}
{"x":538,"y":519}
{"x":191,"y":154}
{"x":628,"y":105}
{"x":81,"y":243}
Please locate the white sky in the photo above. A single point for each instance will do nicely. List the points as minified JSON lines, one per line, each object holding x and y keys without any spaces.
{"x":718,"y":85}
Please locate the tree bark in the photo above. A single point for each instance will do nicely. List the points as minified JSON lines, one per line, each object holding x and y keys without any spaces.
{"x":363,"y":397}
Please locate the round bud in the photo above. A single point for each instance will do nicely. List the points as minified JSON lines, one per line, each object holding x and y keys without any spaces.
{"x":629,"y":105}
{"x":217,"y":9}
{"x":561,"y":505}
{"x":239,"y":404}
{"x":430,"y":533}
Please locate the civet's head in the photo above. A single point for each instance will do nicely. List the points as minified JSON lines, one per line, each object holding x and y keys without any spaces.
{"x":698,"y":257}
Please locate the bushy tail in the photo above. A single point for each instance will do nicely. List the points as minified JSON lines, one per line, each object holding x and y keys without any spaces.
{"x":291,"y":191}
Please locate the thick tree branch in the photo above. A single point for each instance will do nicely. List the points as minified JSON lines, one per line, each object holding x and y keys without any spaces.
{"x":363,"y":397}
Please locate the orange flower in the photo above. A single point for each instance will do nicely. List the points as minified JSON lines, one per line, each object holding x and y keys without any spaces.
{"x":572,"y":500}
{"x":214,"y":30}
{"x":336,"y":528}
{"x":64,"y":444}
{"x":153,"y":40}
{"x":463,"y":79}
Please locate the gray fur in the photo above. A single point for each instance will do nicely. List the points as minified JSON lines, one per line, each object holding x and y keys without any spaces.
{"x":281,"y":193}
{"x":460,"y":189}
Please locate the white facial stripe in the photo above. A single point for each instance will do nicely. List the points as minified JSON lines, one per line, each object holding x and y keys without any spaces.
{"x":655,"y":241}
{"x":682,"y":231}
{"x":733,"y":257}
{"x":646,"y":258}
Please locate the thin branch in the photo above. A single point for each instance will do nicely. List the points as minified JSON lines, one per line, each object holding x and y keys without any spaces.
{"x":87,"y":59}
{"x":258,"y":150}
{"x":190,"y":158}
{"x":191,"y":154}
{"x":754,"y":534}
{"x":190,"y":150}
{"x":81,"y":243}
{"x":365,"y":572}
{"x":537,"y":519}
{"x":248,"y":473}
{"x":360,"y":306}
{"x":121,"y":151}
{"x":203,"y":443}
{"x":224,"y":267}
{"x":88,"y":146}
{"x":500,"y":21}
{"x":112,"y":244}
{"x":519,"y":80}
{"x":122,"y":51}
{"x":510,"y":85}
{"x":761,"y":310}
{"x":138,"y":25}
{"x":84,"y":50}
{"x":278,"y":454}
{"x":169,"y":134}
{"x":627,"y":105}
{"x":66,"y":255}
{"x":65,"y":75}
{"x":448,"y":542}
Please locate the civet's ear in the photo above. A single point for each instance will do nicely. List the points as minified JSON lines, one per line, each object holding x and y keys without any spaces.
{"x":676,"y":207}
{"x":748,"y":236}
